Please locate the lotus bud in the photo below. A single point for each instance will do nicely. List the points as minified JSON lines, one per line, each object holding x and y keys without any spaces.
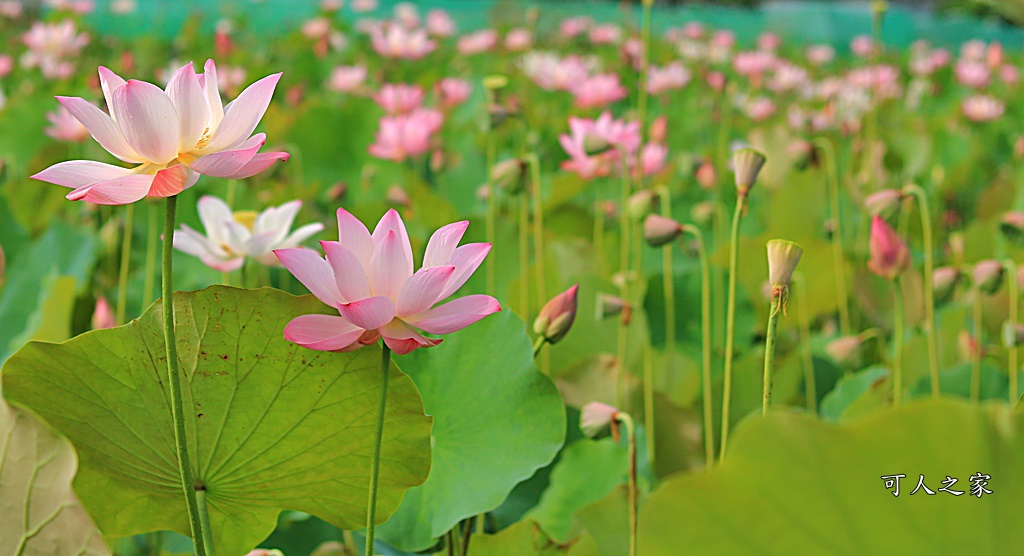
{"x":640,"y":204}
{"x":706,"y":175}
{"x":508,"y":174}
{"x":968,"y":346}
{"x":623,"y":278}
{"x":610,"y":305}
{"x":746,"y":163}
{"x":337,"y":191}
{"x":703,"y":212}
{"x":890,"y":256}
{"x":1013,"y":335}
{"x":883,"y":203}
{"x":656,"y":133}
{"x":988,"y":275}
{"x":397,"y":196}
{"x":845,"y":351}
{"x":659,"y":230}
{"x":103,"y":315}
{"x":957,"y":245}
{"x":557,"y":315}
{"x":1012,"y":227}
{"x":332,"y":548}
{"x":783,"y":257}
{"x":265,"y":552}
{"x":437,"y":160}
{"x":595,"y":416}
{"x":944,"y":282}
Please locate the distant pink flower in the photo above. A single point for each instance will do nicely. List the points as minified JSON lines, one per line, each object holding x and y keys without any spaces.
{"x":6,"y":64}
{"x":693,"y":30}
{"x":230,"y":79}
{"x":973,"y":50}
{"x":983,"y":108}
{"x":788,"y":77}
{"x":553,"y":73}
{"x":394,"y":41}
{"x":51,"y":46}
{"x":316,"y":27}
{"x":369,"y":279}
{"x":723,"y":38}
{"x":440,"y":24}
{"x":652,"y":158}
{"x":399,"y":98}
{"x":477,"y":42}
{"x":715,"y":80}
{"x":1009,"y":74}
{"x":347,"y":79}
{"x":759,"y":108}
{"x":670,"y":77}
{"x":971,"y":73}
{"x":606,"y":33}
{"x":862,"y":45}
{"x":407,"y":14}
{"x":11,"y":9}
{"x":173,"y":136}
{"x":400,"y":137}
{"x":362,"y":6}
{"x":598,"y":91}
{"x":518,"y":40}
{"x":594,"y":146}
{"x":820,"y":54}
{"x":753,"y":63}
{"x":573,"y":26}
{"x":453,"y":92}
{"x":768,"y":41}
{"x":123,"y":7}
{"x":103,"y":315}
{"x":64,"y":127}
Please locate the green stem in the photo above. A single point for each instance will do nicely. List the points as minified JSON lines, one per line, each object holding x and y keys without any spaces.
{"x":842,"y":295}
{"x":467,"y":534}
{"x":538,"y":227}
{"x":645,"y":40}
{"x":524,"y":255}
{"x":897,"y":342}
{"x":230,"y":197}
{"x":492,"y":205}
{"x":371,"y":509}
{"x":1011,"y":354}
{"x":649,"y":404}
{"x":668,"y":278}
{"x":804,"y":316}
{"x":631,"y":440}
{"x":126,"y":259}
{"x":976,"y":349}
{"x":778,"y":293}
{"x":598,"y":240}
{"x":730,"y":318}
{"x":537,"y":344}
{"x":929,"y":287}
{"x":151,"y":254}
{"x":624,"y":229}
{"x":705,"y":326}
{"x":204,"y":519}
{"x":174,"y":382}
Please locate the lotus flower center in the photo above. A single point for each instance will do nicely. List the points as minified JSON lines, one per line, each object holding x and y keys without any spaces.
{"x":246,"y":218}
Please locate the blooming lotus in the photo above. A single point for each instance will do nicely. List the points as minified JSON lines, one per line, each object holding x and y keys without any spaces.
{"x":452,"y":92}
{"x":64,"y":127}
{"x":477,"y":42}
{"x":395,"y":41}
{"x":347,"y":79}
{"x":50,"y":45}
{"x":400,"y":137}
{"x":598,"y":90}
{"x":399,"y":98}
{"x":369,"y":279}
{"x":230,"y":237}
{"x":172,"y":136}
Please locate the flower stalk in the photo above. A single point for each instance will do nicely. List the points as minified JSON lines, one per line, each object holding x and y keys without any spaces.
{"x":371,"y":509}
{"x":783,"y":257}
{"x":1011,"y":351}
{"x":730,"y":319}
{"x":929,"y":286}
{"x":705,"y":326}
{"x":897,"y":342}
{"x":188,"y":483}
{"x":804,"y":318}
{"x":976,"y":319}
{"x":627,"y":421}
{"x":832,"y":179}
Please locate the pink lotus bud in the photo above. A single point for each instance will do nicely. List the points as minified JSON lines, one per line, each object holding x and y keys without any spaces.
{"x":1012,"y":227}
{"x":783,"y":257}
{"x":746,"y":164}
{"x":557,"y":315}
{"x":397,"y":196}
{"x":103,"y":315}
{"x":265,"y":552}
{"x":595,"y":416}
{"x":883,"y":203}
{"x":659,"y":230}
{"x":1013,"y":335}
{"x":890,"y":256}
{"x":944,"y":281}
{"x":845,"y":351}
{"x":988,"y":275}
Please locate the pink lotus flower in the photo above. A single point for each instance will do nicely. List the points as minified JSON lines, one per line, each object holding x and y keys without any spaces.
{"x":173,"y":136}
{"x":440,"y":24}
{"x":598,"y":91}
{"x":478,"y":42}
{"x":6,"y":65}
{"x":230,"y":79}
{"x":518,"y":40}
{"x":394,"y":41}
{"x":652,"y":158}
{"x":1009,"y":74}
{"x":453,"y":92}
{"x":553,"y":73}
{"x":407,"y":14}
{"x":606,"y":33}
{"x":594,"y":145}
{"x":971,"y":73}
{"x":399,"y":98}
{"x":347,"y":79}
{"x":753,"y":63}
{"x":983,"y":108}
{"x":50,"y":46}
{"x":670,"y":77}
{"x":820,"y":54}
{"x":862,"y":45}
{"x":362,"y":6}
{"x":64,"y":127}
{"x":369,"y":279}
{"x":768,"y":41}
{"x":573,"y":26}
{"x":11,"y":9}
{"x":400,"y":137}
{"x":973,"y":50}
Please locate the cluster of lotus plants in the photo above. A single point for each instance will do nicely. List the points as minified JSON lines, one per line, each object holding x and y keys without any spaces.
{"x":382,"y":284}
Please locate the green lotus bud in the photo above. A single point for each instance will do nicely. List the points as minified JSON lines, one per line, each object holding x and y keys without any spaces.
{"x":988,"y":275}
{"x":746,"y":164}
{"x":944,"y":282}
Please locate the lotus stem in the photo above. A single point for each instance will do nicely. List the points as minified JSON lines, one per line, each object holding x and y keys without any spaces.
{"x":769,"y":345}
{"x":537,"y":345}
{"x":538,"y":227}
{"x":598,"y":240}
{"x":151,"y":254}
{"x":649,"y":404}
{"x":730,"y":318}
{"x":1011,"y":353}
{"x":668,"y":281}
{"x":188,"y":483}
{"x":627,"y":421}
{"x":126,"y":260}
{"x":929,"y":287}
{"x":371,"y":509}
{"x":624,"y":244}
{"x":204,"y":517}
{"x":832,"y":179}
{"x":897,"y":342}
{"x":804,"y":317}
{"x":524,"y":255}
{"x":976,"y":349}
{"x":492,"y":203}
{"x":705,"y":326}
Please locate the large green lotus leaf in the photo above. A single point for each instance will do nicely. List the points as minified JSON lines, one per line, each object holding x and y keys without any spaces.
{"x":271,"y":426}
{"x":858,"y":393}
{"x":525,"y":538}
{"x":496,"y":421}
{"x":41,"y":515}
{"x":587,"y":471}
{"x":793,"y":485}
